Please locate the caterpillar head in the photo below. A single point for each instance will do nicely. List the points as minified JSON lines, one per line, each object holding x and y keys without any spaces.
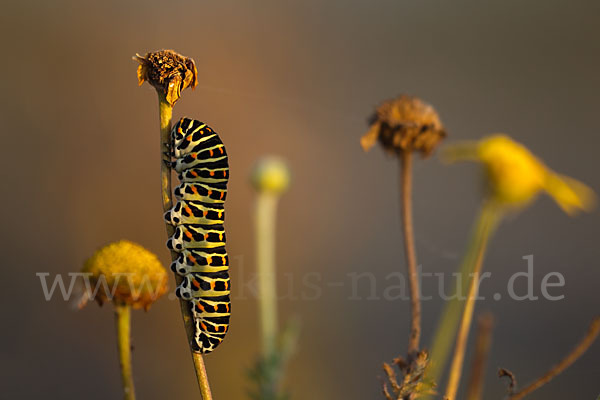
{"x":173,"y":216}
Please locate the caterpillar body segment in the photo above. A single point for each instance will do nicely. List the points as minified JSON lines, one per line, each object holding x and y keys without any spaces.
{"x":213,"y":193}
{"x":191,"y":260}
{"x":200,"y":159}
{"x":196,"y":237}
{"x":195,"y":212}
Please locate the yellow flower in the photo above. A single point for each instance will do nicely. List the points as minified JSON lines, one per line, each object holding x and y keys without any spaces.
{"x":271,"y":175}
{"x":126,"y":273}
{"x":516,"y":176}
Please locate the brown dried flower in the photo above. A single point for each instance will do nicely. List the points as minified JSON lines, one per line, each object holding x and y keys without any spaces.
{"x":405,"y":124}
{"x":169,"y":72}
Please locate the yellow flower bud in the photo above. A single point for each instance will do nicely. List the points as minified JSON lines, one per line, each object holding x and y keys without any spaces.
{"x":126,"y":273}
{"x":516,"y":176}
{"x":271,"y":175}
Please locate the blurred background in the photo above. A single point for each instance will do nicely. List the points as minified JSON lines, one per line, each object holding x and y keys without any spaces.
{"x":298,"y":79}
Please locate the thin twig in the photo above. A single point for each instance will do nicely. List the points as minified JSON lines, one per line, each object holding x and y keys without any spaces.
{"x":165,"y":114}
{"x":485,"y":324}
{"x":584,"y":344}
{"x":465,"y":323}
{"x":409,"y":249}
{"x":123,"y":322}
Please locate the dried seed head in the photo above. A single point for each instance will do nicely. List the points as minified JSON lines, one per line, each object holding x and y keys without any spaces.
{"x":126,"y":273}
{"x":169,"y":72}
{"x":405,"y":124}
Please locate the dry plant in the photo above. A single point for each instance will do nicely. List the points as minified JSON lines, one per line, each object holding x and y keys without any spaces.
{"x":402,"y":126}
{"x":170,"y":74}
{"x":514,"y":178}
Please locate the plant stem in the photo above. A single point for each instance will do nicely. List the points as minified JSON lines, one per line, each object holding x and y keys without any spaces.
{"x":409,"y":250}
{"x":452,"y":311}
{"x":266,"y":208}
{"x":463,"y":333}
{"x":123,"y":322}
{"x":581,"y":348}
{"x":485,"y":324}
{"x":165,"y":115}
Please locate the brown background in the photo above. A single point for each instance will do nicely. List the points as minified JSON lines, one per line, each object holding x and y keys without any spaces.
{"x":298,"y":79}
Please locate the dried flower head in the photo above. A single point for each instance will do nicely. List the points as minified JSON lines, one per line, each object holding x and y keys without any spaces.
{"x":126,"y":273}
{"x":515,"y":176}
{"x":271,"y":174}
{"x":405,"y":124}
{"x":413,"y":383}
{"x":169,"y":72}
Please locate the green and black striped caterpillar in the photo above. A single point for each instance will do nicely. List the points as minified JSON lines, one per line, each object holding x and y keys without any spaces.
{"x":199,"y":238}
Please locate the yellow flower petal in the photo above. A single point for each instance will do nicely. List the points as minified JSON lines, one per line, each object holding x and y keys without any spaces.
{"x":516,"y":176}
{"x":570,"y":194}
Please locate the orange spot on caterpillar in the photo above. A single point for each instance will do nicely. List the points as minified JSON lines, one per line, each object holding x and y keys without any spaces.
{"x":194,"y":189}
{"x":196,"y":284}
{"x":194,"y":155}
{"x":203,"y":326}
{"x":208,"y":260}
{"x":227,"y":307}
{"x":224,"y":173}
{"x":188,"y":210}
{"x":220,"y":214}
{"x":192,"y":258}
{"x":222,"y":194}
{"x":221,"y":236}
{"x":206,"y":236}
{"x":212,"y":286}
{"x":189,"y":138}
{"x":200,"y":307}
{"x":193,"y":173}
{"x":223,"y":259}
{"x":211,"y":152}
{"x":209,"y":192}
{"x":220,"y":148}
{"x":188,"y":234}
{"x":212,"y":173}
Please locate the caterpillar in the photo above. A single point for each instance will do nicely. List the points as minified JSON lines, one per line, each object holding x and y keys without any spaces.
{"x":201,"y":163}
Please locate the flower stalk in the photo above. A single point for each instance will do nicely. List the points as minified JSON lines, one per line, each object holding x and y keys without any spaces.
{"x":485,"y":324}
{"x":453,"y":309}
{"x":266,"y":208}
{"x":170,"y":74}
{"x":488,"y":221}
{"x":123,"y":323}
{"x":410,"y":252}
{"x":271,"y":179}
